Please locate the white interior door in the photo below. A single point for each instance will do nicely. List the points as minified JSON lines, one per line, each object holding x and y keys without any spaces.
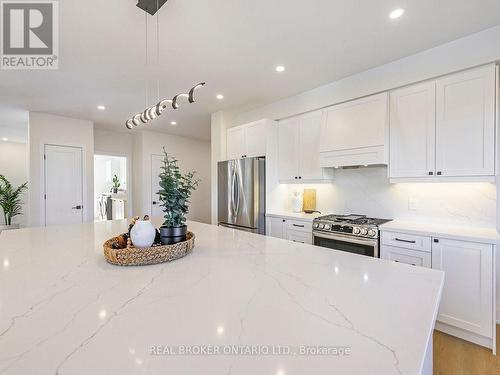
{"x":156,"y":164}
{"x":63,"y":185}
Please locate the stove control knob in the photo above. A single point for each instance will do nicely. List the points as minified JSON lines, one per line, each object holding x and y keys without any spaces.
{"x":356,"y":230}
{"x":364,"y":231}
{"x":321,"y":226}
{"x":315,"y":225}
{"x":372,"y":233}
{"x":328,"y":226}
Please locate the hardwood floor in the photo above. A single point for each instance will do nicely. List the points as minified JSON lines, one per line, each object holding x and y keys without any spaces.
{"x":453,"y":356}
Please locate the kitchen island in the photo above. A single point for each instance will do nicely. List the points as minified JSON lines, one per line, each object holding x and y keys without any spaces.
{"x":241,"y":303}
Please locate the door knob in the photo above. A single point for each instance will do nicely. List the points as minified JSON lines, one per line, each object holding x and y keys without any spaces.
{"x":76,"y":208}
{"x":155,"y":202}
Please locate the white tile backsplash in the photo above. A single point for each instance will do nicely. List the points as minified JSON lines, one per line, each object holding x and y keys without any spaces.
{"x":368,"y":191}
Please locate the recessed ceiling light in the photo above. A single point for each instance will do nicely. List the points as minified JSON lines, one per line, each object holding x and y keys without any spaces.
{"x":5,"y":139}
{"x":396,"y":13}
{"x":280,"y":68}
{"x":173,"y":122}
{"x":101,"y":107}
{"x":220,"y":96}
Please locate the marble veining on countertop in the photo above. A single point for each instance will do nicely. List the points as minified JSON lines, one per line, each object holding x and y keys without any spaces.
{"x":64,"y":310}
{"x":458,"y":230}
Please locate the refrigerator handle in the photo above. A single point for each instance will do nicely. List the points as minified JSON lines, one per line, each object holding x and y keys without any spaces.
{"x":237,"y":195}
{"x":233,"y":191}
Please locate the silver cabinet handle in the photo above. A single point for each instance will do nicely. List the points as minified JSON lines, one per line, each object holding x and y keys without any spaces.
{"x":297,"y":225}
{"x":407,"y":241}
{"x":77,"y":208}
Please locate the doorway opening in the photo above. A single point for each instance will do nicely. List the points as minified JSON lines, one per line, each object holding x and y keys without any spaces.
{"x":111,"y":192}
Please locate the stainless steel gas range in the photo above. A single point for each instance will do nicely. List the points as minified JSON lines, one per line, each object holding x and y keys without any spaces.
{"x":356,"y":234}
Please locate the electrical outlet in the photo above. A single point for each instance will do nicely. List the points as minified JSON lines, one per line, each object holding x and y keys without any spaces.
{"x":412,"y":204}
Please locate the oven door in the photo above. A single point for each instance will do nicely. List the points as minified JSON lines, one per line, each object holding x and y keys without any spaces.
{"x":355,"y":245}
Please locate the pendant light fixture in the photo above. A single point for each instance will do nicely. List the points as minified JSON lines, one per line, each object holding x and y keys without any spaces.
{"x":157,"y":110}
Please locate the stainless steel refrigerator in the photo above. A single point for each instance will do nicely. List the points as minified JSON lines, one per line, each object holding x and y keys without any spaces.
{"x":242,"y":194}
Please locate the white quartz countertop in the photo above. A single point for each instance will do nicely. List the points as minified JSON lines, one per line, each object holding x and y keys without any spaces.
{"x":64,"y":310}
{"x":294,"y":215}
{"x":458,"y":231}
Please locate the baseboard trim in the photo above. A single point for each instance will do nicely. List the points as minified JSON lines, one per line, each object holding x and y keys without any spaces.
{"x":487,"y":342}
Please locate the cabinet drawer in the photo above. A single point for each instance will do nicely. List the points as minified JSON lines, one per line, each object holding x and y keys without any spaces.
{"x":407,"y":241}
{"x":299,"y":236}
{"x":407,"y":256}
{"x":300,"y":226}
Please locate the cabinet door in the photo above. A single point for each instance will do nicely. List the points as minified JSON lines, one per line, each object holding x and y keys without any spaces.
{"x":356,"y":124}
{"x":465,"y":123}
{"x":275,"y":227}
{"x":309,"y":139}
{"x":412,"y":131}
{"x":299,"y":236}
{"x":407,"y":256}
{"x":235,"y":143}
{"x":288,"y":149}
{"x":255,"y":139}
{"x":467,"y":299}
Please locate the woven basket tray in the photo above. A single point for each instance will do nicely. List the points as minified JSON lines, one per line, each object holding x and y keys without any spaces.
{"x":133,"y":256}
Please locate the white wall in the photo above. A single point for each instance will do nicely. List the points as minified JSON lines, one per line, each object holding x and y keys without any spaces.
{"x":192,"y":155}
{"x":118,"y":143}
{"x":57,"y":130}
{"x":476,"y":49}
{"x":14,"y":166}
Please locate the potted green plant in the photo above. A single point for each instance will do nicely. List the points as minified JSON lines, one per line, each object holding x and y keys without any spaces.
{"x":175,"y":193}
{"x":10,"y":202}
{"x":116,"y":184}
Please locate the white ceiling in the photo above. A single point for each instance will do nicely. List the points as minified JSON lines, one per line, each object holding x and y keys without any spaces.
{"x":233,"y":45}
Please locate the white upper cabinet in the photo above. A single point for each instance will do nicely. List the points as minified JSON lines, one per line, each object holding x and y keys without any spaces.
{"x":309,"y":140}
{"x":255,"y":139}
{"x":412,"y":131}
{"x":465,"y":123}
{"x":354,"y":133}
{"x":288,"y":149}
{"x":247,"y":141}
{"x":444,"y":128}
{"x":236,"y":143}
{"x":298,"y":148}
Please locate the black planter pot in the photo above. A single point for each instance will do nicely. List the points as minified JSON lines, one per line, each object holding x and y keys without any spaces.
{"x":171,"y":235}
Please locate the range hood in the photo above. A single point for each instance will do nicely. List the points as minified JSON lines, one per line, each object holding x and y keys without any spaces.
{"x":355,"y":133}
{"x":357,"y":157}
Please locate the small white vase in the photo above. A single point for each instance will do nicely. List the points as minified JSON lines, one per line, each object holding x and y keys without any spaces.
{"x":142,"y":233}
{"x":297,"y":201}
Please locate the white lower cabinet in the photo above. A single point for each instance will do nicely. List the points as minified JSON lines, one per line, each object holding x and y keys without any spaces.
{"x":298,"y":236}
{"x":407,"y":256}
{"x":467,"y":300}
{"x":289,"y":229}
{"x":275,"y":226}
